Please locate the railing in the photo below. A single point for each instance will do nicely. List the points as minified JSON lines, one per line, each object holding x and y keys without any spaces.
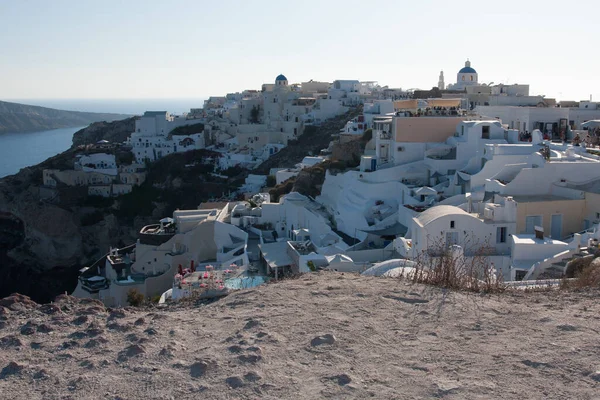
{"x":583,"y":232}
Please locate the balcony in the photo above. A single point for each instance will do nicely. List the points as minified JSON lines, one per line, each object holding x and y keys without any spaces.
{"x":445,"y":154}
{"x":385,"y":136}
{"x":156,"y":234}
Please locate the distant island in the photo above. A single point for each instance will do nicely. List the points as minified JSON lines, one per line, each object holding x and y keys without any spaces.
{"x":16,"y":118}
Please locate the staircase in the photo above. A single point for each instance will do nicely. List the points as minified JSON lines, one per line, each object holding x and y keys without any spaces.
{"x":555,"y":267}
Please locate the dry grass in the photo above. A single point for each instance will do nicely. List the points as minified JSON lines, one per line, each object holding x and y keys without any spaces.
{"x":474,"y":273}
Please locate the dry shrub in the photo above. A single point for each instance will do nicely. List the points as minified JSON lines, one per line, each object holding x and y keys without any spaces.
{"x":588,"y":277}
{"x":441,"y":267}
{"x":577,"y":266}
{"x":135,"y":298}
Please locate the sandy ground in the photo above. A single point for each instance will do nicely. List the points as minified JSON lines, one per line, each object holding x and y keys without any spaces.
{"x":325,"y":336}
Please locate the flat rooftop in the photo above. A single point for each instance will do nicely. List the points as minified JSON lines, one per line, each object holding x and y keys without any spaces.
{"x":275,"y":254}
{"x":530,"y":239}
{"x":539,"y":198}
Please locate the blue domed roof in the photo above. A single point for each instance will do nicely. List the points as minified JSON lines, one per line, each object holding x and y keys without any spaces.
{"x":280,"y":77}
{"x":467,"y":70}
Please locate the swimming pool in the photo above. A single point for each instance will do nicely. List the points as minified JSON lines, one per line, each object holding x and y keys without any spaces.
{"x":245,"y":282}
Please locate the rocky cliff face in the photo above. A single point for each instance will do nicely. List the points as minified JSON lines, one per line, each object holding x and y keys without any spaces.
{"x":114,"y":132}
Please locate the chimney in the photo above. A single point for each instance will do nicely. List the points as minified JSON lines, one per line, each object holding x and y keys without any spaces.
{"x":539,"y":232}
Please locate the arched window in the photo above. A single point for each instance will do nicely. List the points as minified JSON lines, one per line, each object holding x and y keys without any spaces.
{"x":463,"y":78}
{"x":471,"y":77}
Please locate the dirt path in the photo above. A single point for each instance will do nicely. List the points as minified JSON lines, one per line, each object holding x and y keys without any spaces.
{"x":329,"y":336}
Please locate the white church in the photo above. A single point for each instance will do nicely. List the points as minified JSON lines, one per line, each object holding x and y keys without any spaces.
{"x":467,"y":76}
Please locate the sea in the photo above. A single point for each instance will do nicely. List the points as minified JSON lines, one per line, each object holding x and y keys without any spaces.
{"x":20,"y":150}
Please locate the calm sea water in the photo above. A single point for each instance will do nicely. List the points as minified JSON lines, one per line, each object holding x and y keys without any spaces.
{"x":20,"y":150}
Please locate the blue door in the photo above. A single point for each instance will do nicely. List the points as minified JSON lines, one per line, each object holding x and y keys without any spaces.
{"x":373,"y":164}
{"x":556,"y":228}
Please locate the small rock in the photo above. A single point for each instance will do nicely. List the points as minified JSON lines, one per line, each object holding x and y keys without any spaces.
{"x":151,"y":331}
{"x":94,"y":332}
{"x":595,"y":376}
{"x":132,"y":351}
{"x":132,"y":337}
{"x":120,"y":328}
{"x":198,"y":369}
{"x":255,"y":349}
{"x":252,"y":376}
{"x":341,"y":379}
{"x":116,"y":313}
{"x":139,"y":321}
{"x":11,"y":369}
{"x":50,"y":309}
{"x":94,"y":310}
{"x":41,"y":374}
{"x":4,"y":311}
{"x":69,"y":344}
{"x":10,"y":341}
{"x":166,"y":352}
{"x":251,"y":324}
{"x":44,"y":328}
{"x":323,"y":339}
{"x":87,"y":364}
{"x":81,"y":320}
{"x":252,"y":359}
{"x":29,"y":328}
{"x":95,"y":342}
{"x":567,"y":328}
{"x":234,"y":349}
{"x":78,"y":335}
{"x":234,"y":382}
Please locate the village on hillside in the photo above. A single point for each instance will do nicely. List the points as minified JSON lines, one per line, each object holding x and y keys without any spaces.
{"x":498,"y":178}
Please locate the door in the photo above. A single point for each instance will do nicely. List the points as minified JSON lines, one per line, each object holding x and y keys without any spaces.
{"x":451,"y":238}
{"x":556,"y":228}
{"x":531,"y":222}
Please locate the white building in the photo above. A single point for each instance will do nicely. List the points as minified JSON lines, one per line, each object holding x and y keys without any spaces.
{"x":152,"y":139}
{"x":191,"y":239}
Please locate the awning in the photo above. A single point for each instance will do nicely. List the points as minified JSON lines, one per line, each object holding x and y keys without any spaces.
{"x":425,"y":191}
{"x":393,"y":230}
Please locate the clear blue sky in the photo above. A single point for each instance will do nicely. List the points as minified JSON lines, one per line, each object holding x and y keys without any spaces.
{"x":196,"y":48}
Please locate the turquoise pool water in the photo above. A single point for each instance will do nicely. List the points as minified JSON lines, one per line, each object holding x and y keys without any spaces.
{"x":245,"y":282}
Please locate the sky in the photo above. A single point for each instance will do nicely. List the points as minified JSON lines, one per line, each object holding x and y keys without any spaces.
{"x":84,"y":49}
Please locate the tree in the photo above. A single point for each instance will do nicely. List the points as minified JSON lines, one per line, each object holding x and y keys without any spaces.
{"x":254,"y":114}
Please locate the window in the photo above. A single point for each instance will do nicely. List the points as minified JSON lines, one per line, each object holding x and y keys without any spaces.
{"x":463,"y":78}
{"x":471,"y":78}
{"x":485,"y":132}
{"x":501,"y":234}
{"x":452,"y":225}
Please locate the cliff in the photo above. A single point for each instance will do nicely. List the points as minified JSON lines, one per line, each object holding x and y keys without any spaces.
{"x":17,"y":118}
{"x":321,"y":336}
{"x":114,"y":132}
{"x":43,"y":243}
